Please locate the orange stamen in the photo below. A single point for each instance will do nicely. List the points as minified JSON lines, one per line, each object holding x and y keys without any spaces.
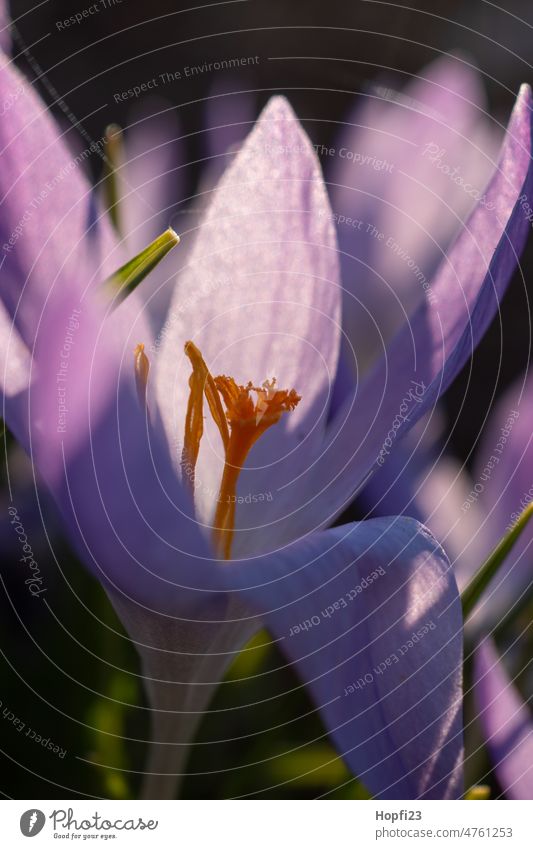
{"x":200,"y":381}
{"x":247,"y":418}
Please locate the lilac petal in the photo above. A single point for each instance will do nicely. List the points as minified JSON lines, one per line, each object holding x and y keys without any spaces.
{"x":430,"y":350}
{"x":47,"y":209}
{"x":110,"y":474}
{"x":260,"y":298}
{"x":507,"y":723}
{"x":343,"y":605}
{"x":503,"y":473}
{"x":417,"y":144}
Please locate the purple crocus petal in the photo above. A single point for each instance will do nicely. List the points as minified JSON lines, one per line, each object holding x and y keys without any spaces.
{"x":370,"y":617}
{"x":110,"y":474}
{"x":429,"y":351}
{"x":507,"y":723}
{"x":47,"y":209}
{"x":260,"y":298}
{"x":408,"y":151}
{"x":502,"y":475}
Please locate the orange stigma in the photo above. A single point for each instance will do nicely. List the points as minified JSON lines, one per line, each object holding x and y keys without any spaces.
{"x":244,"y":421}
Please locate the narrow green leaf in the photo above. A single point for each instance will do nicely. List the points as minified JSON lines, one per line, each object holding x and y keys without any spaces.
{"x":475,"y":589}
{"x":126,"y":279}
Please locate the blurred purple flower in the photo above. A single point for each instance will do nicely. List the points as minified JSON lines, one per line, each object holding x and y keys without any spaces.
{"x":408,"y":167}
{"x":5,"y":26}
{"x":421,"y":204}
{"x":260,"y":296}
{"x":152,"y":181}
{"x":469,"y":514}
{"x":506,"y":721}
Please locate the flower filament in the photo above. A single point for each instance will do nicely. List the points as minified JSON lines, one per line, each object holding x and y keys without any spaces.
{"x":244,"y":420}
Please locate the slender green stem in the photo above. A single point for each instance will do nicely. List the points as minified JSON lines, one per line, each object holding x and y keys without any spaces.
{"x":473,"y":591}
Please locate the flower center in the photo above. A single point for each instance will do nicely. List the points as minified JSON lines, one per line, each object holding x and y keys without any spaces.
{"x":244,"y":420}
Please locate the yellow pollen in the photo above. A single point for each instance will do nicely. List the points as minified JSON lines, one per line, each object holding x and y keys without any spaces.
{"x":247,"y":417}
{"x":142,"y":369}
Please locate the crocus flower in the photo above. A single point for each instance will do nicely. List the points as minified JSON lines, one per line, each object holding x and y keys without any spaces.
{"x":259,"y":298}
{"x":408,"y":167}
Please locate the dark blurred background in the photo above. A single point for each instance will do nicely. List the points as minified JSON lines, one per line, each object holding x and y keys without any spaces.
{"x":320,"y":54}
